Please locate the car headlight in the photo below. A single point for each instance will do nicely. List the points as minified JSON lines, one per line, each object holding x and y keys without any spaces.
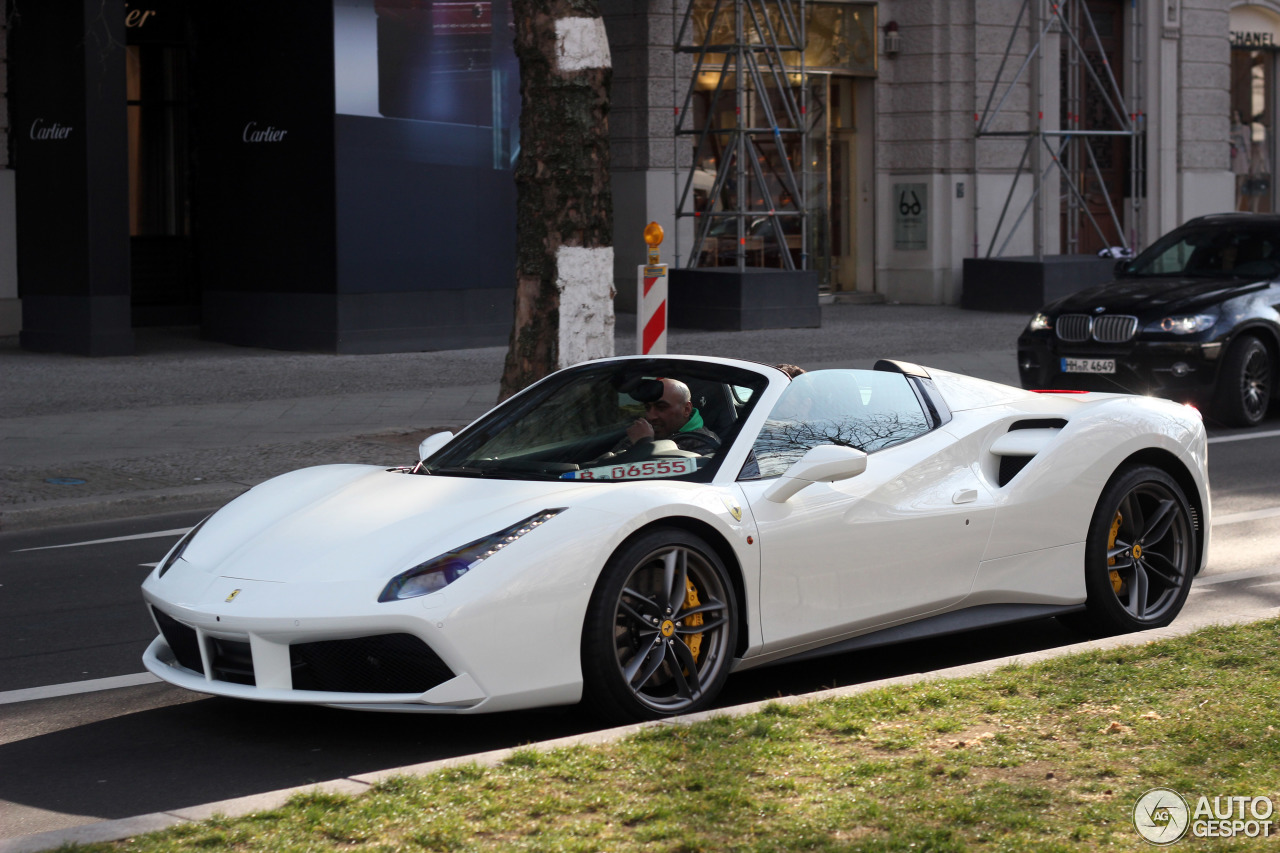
{"x":438,"y":572}
{"x":1182,"y":324}
{"x":180,"y":548}
{"x":1040,"y":323}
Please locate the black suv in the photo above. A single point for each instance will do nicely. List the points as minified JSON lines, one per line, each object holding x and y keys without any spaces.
{"x":1193,"y":318}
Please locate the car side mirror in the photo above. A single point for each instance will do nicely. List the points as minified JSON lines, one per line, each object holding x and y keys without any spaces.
{"x":1122,"y":268}
{"x":825,"y":463}
{"x":432,"y":443}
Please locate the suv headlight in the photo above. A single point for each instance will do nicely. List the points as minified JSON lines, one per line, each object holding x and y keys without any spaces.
{"x":438,"y":572}
{"x":1182,"y":324}
{"x":1040,"y":323}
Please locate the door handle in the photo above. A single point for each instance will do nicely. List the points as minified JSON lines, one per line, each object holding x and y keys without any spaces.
{"x":965,"y":496}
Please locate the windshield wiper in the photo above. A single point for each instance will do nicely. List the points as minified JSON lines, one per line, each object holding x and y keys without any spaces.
{"x":491,"y":473}
{"x":464,"y":471}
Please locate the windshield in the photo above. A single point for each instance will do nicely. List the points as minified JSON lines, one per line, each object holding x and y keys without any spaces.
{"x":1210,"y":251}
{"x":622,"y":420}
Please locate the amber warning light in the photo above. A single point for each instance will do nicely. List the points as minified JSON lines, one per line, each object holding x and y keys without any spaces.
{"x":653,"y":237}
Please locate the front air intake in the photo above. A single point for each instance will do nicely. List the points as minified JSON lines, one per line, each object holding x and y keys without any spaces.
{"x":386,"y":663}
{"x":182,"y":641}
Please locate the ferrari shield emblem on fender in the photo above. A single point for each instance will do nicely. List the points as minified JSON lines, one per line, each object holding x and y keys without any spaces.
{"x":232,"y":596}
{"x":734,"y":510}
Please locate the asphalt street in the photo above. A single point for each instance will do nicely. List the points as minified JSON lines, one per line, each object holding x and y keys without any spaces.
{"x":138,"y":448}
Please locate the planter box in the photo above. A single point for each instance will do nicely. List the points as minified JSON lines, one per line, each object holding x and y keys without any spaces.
{"x":731,"y":299}
{"x":1026,"y":284}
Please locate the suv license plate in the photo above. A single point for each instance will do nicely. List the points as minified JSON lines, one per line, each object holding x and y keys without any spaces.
{"x":1088,"y":365}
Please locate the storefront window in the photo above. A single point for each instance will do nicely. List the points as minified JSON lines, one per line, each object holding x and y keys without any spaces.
{"x":1254,"y":47}
{"x":156,"y":86}
{"x":840,"y":43}
{"x":1252,"y":76}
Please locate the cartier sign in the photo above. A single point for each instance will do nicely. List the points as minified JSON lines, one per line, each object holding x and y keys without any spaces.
{"x":255,"y":133}
{"x":42,"y":129}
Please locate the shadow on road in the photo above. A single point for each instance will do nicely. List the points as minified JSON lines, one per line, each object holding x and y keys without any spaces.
{"x":194,"y":750}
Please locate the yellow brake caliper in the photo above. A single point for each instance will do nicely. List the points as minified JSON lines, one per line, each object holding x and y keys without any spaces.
{"x":693,"y":641}
{"x":1117,"y":583}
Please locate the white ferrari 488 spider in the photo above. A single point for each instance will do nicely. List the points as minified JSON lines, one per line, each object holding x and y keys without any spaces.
{"x":599,"y":537}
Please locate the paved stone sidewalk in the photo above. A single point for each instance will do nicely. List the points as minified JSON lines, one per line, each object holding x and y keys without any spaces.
{"x":188,"y":424}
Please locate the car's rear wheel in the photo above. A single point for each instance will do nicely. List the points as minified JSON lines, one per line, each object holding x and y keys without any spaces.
{"x":1244,"y":384}
{"x":1139,"y":554}
{"x":660,"y":629}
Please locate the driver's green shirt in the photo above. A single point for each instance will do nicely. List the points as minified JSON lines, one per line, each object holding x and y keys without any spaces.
{"x":694,"y":422}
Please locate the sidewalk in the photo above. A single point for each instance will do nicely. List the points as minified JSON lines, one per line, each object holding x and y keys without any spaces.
{"x":189,"y":424}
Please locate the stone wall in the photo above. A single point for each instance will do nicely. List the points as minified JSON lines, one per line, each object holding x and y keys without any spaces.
{"x":924,"y":136}
{"x":649,"y":80}
{"x":1204,"y":97}
{"x":924,"y":98}
{"x":1204,"y":103}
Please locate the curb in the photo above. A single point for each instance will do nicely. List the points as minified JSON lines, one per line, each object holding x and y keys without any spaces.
{"x":208,"y":496}
{"x":118,"y":830}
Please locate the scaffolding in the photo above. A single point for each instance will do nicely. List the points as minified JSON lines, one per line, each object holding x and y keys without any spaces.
{"x":1088,"y":80}
{"x":745,"y":185}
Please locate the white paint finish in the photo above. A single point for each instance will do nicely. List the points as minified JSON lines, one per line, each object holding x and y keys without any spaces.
{"x":1052,"y":499}
{"x":581,"y":44}
{"x":1050,"y":576}
{"x":1023,"y":442}
{"x":585,"y":281}
{"x":882,"y":546}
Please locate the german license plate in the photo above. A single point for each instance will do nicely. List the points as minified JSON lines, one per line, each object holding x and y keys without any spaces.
{"x":1088,"y":365}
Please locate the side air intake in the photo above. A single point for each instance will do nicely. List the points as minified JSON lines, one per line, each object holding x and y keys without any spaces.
{"x":1017,"y":447}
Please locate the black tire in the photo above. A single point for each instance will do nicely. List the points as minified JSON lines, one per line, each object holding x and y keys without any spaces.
{"x":1140,"y":554}
{"x":1244,"y":384}
{"x":660,"y":629}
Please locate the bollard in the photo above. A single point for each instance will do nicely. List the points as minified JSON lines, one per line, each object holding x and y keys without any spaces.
{"x":651,"y":298}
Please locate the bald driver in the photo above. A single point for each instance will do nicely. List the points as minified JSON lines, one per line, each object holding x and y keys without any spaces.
{"x":672,"y":416}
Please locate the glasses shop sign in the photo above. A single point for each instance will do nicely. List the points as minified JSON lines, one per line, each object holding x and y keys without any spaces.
{"x":911,"y":216}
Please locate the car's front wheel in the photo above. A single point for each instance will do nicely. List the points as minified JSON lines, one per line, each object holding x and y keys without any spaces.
{"x":660,"y":629}
{"x":1244,"y":384}
{"x":1139,"y":554}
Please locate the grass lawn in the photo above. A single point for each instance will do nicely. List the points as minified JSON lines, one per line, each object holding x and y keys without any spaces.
{"x":1046,"y":757}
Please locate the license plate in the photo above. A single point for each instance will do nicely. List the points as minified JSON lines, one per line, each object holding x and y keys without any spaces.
{"x":1088,"y":365}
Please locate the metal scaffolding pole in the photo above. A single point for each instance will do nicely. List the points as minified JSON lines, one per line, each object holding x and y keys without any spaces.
{"x":745,"y":110}
{"x":1073,"y":143}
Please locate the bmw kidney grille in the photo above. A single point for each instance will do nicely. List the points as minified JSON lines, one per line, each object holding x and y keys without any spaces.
{"x":1106,"y":329}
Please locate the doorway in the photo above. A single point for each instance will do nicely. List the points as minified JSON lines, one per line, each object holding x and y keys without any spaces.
{"x":839,"y":191}
{"x":164,"y":288}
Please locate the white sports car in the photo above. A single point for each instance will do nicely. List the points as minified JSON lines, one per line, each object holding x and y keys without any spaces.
{"x":540,"y":557}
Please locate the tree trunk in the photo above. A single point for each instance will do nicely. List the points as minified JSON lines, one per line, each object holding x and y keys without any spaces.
{"x":564,"y":210}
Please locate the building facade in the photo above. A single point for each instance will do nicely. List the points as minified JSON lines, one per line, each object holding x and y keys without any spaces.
{"x":337,"y":176}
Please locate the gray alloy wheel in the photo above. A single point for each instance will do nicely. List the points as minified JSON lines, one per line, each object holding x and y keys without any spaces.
{"x":1140,"y":554}
{"x":1244,"y":385}
{"x":660,"y":631}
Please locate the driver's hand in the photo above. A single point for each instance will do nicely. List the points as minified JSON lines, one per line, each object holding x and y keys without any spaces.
{"x":640,"y":430}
